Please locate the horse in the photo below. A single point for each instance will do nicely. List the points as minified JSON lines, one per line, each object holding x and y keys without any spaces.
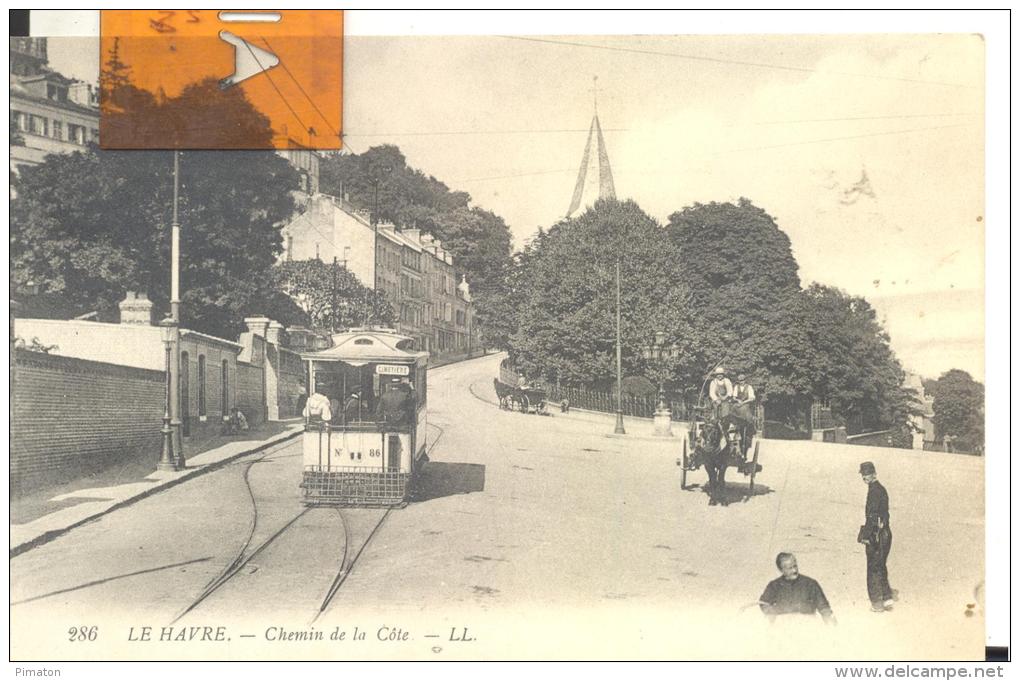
{"x":720,"y":443}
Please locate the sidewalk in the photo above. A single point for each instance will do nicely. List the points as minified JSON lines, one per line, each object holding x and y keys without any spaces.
{"x":40,"y":517}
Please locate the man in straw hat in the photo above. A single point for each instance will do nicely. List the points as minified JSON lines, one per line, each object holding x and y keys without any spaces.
{"x":720,"y":391}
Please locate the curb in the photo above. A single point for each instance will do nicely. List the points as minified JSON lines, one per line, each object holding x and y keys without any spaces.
{"x":661,"y":439}
{"x":50,"y":535}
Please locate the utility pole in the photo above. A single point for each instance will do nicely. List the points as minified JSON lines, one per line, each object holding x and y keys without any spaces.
{"x":175,"y":316}
{"x":619,"y":430}
{"x":335,"y":301}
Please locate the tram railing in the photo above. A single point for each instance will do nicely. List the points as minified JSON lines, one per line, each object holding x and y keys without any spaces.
{"x":355,"y":486}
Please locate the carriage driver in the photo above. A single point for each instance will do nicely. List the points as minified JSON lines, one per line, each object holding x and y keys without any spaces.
{"x":720,"y":391}
{"x":743,"y":397}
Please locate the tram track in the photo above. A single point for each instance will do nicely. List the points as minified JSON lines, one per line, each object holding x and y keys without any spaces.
{"x":245,"y":554}
{"x":242,"y":556}
{"x":344,"y":573}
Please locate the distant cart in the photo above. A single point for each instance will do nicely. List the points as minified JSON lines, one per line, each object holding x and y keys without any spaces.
{"x":528,"y":399}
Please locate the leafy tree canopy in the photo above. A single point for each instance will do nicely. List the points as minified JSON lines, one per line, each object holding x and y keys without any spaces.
{"x":565,"y":295}
{"x":722,"y":282}
{"x":959,"y":406}
{"x":380,"y":181}
{"x":94,"y":224}
{"x":201,"y":116}
{"x":330,"y":296}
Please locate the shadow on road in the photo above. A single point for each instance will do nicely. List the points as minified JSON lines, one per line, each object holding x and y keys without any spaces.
{"x":441,"y":479}
{"x":738,"y":491}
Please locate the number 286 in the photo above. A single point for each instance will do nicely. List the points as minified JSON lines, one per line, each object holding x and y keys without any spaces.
{"x":82,"y":634}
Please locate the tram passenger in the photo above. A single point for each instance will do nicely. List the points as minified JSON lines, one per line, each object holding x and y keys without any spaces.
{"x":394,"y":405}
{"x":317,"y":408}
{"x":354,"y":408}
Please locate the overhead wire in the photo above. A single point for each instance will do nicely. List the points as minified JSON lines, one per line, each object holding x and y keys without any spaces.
{"x":478,"y":132}
{"x":311,"y":101}
{"x":846,"y":137}
{"x":273,"y":83}
{"x":735,"y":62}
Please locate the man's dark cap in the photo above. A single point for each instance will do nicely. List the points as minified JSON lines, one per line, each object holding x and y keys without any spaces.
{"x":867,"y":468}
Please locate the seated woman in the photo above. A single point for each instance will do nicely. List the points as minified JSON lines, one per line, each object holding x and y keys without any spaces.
{"x":317,"y":409}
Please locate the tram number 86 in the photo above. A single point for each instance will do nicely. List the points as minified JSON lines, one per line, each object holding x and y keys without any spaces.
{"x":372,"y":453}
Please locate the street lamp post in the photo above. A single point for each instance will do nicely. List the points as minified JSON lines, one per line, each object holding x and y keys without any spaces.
{"x":658,"y":352}
{"x":167,"y":460}
{"x":175,"y":315}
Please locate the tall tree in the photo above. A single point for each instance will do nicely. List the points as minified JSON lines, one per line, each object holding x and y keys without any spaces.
{"x":94,"y":224}
{"x":844,"y":357}
{"x":959,"y":406}
{"x":566,"y":297}
{"x":331,"y":296}
{"x":201,"y":116}
{"x":742,"y":276}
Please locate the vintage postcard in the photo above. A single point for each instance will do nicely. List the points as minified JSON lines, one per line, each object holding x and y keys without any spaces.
{"x":630,"y":347}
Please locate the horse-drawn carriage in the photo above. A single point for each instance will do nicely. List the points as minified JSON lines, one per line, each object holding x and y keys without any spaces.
{"x":720,"y":437}
{"x":526,"y":398}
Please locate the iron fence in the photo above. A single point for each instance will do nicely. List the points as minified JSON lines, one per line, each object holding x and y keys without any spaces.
{"x":642,"y":406}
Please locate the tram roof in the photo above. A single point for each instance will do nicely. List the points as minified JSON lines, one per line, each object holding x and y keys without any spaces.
{"x":360,"y":346}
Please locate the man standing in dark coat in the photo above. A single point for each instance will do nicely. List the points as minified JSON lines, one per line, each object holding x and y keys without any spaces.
{"x":794,"y":593}
{"x":394,"y":405}
{"x":877,"y":540}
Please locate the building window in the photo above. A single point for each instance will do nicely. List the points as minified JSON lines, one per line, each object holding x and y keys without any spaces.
{"x":58,"y":130}
{"x":201,"y":386}
{"x":56,"y":93}
{"x":75,"y":133}
{"x":37,"y":125}
{"x":225,"y":379}
{"x":19,"y":121}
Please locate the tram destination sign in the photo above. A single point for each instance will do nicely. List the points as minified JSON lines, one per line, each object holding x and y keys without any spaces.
{"x":392,"y":369}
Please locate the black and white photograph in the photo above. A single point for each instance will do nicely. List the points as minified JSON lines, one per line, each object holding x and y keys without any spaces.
{"x":637,"y":345}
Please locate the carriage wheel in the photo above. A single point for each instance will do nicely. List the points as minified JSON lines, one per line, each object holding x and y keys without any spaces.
{"x":524,"y":404}
{"x":683,"y":468}
{"x":754,"y":469}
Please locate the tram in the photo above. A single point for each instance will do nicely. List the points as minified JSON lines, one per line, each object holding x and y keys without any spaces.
{"x":365,"y":419}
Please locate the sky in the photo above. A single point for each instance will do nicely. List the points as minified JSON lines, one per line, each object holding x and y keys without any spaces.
{"x":867,"y":150}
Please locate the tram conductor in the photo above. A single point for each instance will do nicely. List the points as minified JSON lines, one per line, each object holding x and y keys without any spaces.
{"x":395,"y":404}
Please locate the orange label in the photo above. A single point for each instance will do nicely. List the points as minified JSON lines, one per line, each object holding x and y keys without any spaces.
{"x":191,"y":79}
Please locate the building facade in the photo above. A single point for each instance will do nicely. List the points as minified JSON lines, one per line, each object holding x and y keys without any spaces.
{"x":50,"y":114}
{"x":410,"y":268}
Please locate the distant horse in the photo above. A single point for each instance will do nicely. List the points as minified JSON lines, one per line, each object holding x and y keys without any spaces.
{"x":719,"y":444}
{"x":711,"y":450}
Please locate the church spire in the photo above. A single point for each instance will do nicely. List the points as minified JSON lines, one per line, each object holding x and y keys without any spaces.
{"x":607,"y":190}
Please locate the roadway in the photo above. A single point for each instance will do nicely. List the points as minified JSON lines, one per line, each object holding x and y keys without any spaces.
{"x":531,"y":537}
